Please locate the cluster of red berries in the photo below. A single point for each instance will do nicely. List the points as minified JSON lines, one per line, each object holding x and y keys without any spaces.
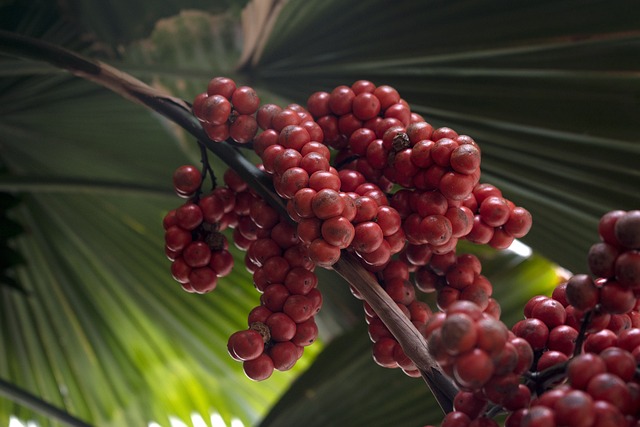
{"x":601,"y":390}
{"x":227,"y":111}
{"x":580,"y":349}
{"x":283,"y":324}
{"x":453,"y":277}
{"x":193,"y":233}
{"x":480,"y":354}
{"x":334,"y":210}
{"x":347,"y":204}
{"x":400,"y":194}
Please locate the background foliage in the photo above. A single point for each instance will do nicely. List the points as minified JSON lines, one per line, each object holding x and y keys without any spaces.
{"x":551,"y":90}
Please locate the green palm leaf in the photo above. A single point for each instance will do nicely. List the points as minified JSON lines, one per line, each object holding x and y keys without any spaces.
{"x":548,"y":89}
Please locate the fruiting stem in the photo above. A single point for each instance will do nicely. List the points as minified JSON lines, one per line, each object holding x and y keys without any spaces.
{"x":179,"y":111}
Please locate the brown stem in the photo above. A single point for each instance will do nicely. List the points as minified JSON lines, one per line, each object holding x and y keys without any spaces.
{"x":179,"y":111}
{"x":412,"y":342}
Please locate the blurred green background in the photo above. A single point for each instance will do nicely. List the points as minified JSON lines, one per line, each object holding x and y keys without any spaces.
{"x":90,"y":319}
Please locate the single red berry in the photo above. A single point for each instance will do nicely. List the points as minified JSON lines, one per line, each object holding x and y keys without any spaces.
{"x":627,"y":229}
{"x":221,"y":86}
{"x":186,"y":180}
{"x":216,"y":110}
{"x":245,"y":100}
{"x":260,"y":368}
{"x":243,"y":128}
{"x":245,"y":345}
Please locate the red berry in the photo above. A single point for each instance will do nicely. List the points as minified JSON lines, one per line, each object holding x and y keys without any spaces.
{"x":216,"y":110}
{"x":473,"y":369}
{"x":282,"y":327}
{"x":318,"y":104}
{"x":284,"y":355}
{"x":338,"y":231}
{"x":187,"y":179}
{"x":221,"y":86}
{"x":177,"y":238}
{"x":306,"y":333}
{"x":627,"y":229}
{"x":245,"y":100}
{"x":534,"y":331}
{"x":203,"y":279}
{"x":258,"y":369}
{"x":245,"y":345}
{"x":575,"y":408}
{"x":265,"y":115}
{"x":368,"y":237}
{"x":519,"y":222}
{"x":582,"y":292}
{"x":323,"y":254}
{"x":243,"y":129}
{"x":616,"y":298}
{"x":299,"y":308}
{"x":217,"y":133}
{"x":459,"y":333}
{"x":197,"y":254}
{"x":627,"y":269}
{"x":327,"y":203}
{"x":387,"y":96}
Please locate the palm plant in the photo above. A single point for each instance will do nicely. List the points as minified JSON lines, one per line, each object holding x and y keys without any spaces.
{"x":92,"y":323}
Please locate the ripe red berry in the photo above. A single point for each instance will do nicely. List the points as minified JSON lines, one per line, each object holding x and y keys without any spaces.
{"x":368,"y":237}
{"x":186,"y":180}
{"x":366,"y":106}
{"x":327,"y":203}
{"x":243,"y":128}
{"x":387,"y":96}
{"x":627,"y":269}
{"x":627,"y":229}
{"x":338,"y":231}
{"x":341,"y":100}
{"x":318,"y":104}
{"x":216,"y":110}
{"x":582,"y":292}
{"x":221,"y":86}
{"x":197,"y":254}
{"x":473,"y":369}
{"x":260,"y":368}
{"x":284,"y":355}
{"x":323,"y":253}
{"x":245,"y":100}
{"x":245,"y":345}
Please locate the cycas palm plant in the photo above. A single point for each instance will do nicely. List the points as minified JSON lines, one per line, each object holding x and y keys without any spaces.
{"x":91,"y":321}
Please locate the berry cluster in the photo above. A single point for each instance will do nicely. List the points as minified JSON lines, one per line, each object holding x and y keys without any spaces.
{"x":348,"y":203}
{"x":361,"y":173}
{"x":481,"y":355}
{"x":193,"y":232}
{"x":283,"y":324}
{"x":453,"y":277}
{"x":334,"y":210}
{"x":577,"y":351}
{"x":227,"y":111}
{"x":601,"y":390}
